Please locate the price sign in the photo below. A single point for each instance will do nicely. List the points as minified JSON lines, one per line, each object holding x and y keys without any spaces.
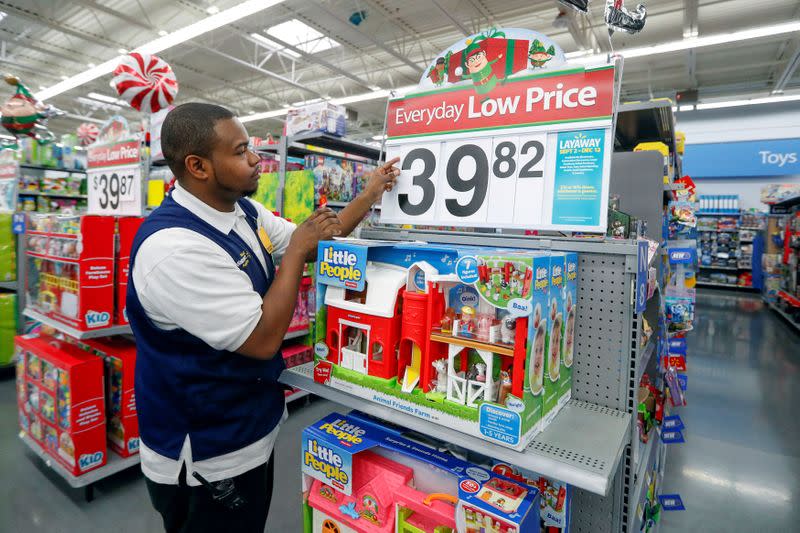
{"x":114,"y":179}
{"x":533,"y":152}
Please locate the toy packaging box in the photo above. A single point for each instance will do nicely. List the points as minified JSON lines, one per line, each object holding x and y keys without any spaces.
{"x":359,"y":477}
{"x":61,"y":401}
{"x":119,"y":356}
{"x":457,"y":336}
{"x":555,"y":497}
{"x":324,"y":117}
{"x":570,"y":319}
{"x":71,"y":269}
{"x":8,"y":326}
{"x":127,"y":228}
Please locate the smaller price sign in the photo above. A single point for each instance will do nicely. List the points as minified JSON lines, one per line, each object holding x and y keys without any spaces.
{"x":114,"y":180}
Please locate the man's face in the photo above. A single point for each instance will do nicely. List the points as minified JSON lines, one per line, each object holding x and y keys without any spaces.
{"x":476,"y":61}
{"x":236,"y":169}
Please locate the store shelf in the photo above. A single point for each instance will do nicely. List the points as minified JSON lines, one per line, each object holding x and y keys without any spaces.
{"x":53,"y":194}
{"x":297,"y":395}
{"x":8,"y":285}
{"x":295,"y":334}
{"x":644,"y":358}
{"x":702,"y":214}
{"x":734,"y":230}
{"x":75,"y":333}
{"x":712,"y":267}
{"x":582,"y":446}
{"x":752,"y":228}
{"x":40,"y":167}
{"x":331,"y":142}
{"x":115,"y":464}
{"x":646,"y":462}
{"x":784,"y":315}
{"x":726,"y":285}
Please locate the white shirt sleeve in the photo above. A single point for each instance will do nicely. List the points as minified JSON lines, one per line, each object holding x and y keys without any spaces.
{"x":278,"y":229}
{"x":185,"y":281}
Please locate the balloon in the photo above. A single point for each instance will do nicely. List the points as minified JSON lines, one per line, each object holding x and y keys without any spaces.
{"x":23,"y":114}
{"x":618,"y":18}
{"x":145,"y":81}
{"x":87,"y":133}
{"x":577,"y":5}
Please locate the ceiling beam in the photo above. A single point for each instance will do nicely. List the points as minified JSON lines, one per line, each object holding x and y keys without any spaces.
{"x":451,"y":18}
{"x":788,"y":71}
{"x":133,"y":21}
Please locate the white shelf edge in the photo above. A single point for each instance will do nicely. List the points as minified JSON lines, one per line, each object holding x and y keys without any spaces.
{"x":115,"y":464}
{"x":728,"y":285}
{"x":76,"y":333}
{"x":297,"y":395}
{"x":784,"y":315}
{"x":295,"y":334}
{"x":8,"y":285}
{"x":582,"y":431}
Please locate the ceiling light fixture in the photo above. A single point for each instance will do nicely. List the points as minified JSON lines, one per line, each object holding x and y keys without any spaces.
{"x":90,"y":65}
{"x":212,"y":10}
{"x":691,"y":42}
{"x":122,"y":51}
{"x":105,"y":98}
{"x":163,"y":32}
{"x":748,"y":101}
{"x":223,"y":18}
{"x":301,"y":36}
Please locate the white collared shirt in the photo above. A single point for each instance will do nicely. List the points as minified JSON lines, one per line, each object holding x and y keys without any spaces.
{"x":184,"y":280}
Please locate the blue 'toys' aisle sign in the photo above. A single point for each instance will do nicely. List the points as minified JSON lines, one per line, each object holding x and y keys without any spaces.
{"x":770,"y":157}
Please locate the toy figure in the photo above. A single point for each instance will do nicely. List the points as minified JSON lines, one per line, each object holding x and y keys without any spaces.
{"x":440,"y":365}
{"x":484,"y":327}
{"x":508,"y":325}
{"x":480,"y":372}
{"x":447,"y":320}
{"x":504,"y":387}
{"x":467,"y":323}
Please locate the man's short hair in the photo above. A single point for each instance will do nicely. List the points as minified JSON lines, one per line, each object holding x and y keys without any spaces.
{"x":189,"y":130}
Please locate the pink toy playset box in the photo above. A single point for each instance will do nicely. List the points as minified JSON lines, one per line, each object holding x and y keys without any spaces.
{"x":361,"y":478}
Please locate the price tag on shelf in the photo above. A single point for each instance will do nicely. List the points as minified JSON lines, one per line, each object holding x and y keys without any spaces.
{"x":533,"y":152}
{"x":115,"y":190}
{"x":114,"y":179}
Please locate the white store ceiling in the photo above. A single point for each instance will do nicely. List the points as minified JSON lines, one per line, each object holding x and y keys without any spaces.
{"x":45,"y":41}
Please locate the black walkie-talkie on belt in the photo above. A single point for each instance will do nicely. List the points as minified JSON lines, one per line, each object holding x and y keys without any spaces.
{"x":223,"y":492}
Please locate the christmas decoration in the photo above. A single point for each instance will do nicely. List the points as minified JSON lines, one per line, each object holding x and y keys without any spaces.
{"x":539,"y":55}
{"x":145,"y":81}
{"x":618,"y":18}
{"x":87,"y":133}
{"x":23,"y":114}
{"x":577,"y":5}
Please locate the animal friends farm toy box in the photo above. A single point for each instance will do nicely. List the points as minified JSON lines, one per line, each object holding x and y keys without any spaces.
{"x":457,"y":336}
{"x":361,"y":478}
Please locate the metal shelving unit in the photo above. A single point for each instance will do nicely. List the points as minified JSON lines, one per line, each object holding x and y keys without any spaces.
{"x":76,"y":333}
{"x":638,"y":494}
{"x":8,"y":285}
{"x":296,"y":396}
{"x":40,"y":167}
{"x":296,"y":334}
{"x":785,"y":316}
{"x":725,"y":285}
{"x":86,"y":481}
{"x":53,"y":194}
{"x":582,"y":446}
{"x":711,"y":267}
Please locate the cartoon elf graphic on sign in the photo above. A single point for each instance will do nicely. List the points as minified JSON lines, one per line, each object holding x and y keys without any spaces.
{"x":480,"y":68}
{"x":437,"y":73}
{"x":539,"y":55}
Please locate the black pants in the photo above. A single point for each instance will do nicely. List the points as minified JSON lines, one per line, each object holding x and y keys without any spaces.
{"x":187,"y":509}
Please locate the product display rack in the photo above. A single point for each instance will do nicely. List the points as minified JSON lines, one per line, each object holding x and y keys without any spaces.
{"x":86,"y":481}
{"x":604,"y":385}
{"x":59,"y":169}
{"x":76,"y":333}
{"x":782,"y":313}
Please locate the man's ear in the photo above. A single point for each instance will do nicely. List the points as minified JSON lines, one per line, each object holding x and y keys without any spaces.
{"x":198,"y":167}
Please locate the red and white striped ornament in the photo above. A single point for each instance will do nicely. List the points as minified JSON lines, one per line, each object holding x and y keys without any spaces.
{"x":87,"y":133}
{"x":145,"y":81}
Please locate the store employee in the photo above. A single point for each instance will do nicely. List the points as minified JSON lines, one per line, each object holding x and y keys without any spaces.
{"x":209,"y":312}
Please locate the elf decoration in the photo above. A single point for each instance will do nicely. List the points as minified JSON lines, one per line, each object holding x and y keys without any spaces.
{"x":538,"y":55}
{"x":145,"y":81}
{"x":23,"y":114}
{"x":618,"y":18}
{"x":437,"y":73}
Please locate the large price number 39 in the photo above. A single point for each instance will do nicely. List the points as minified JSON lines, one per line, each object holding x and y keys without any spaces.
{"x":504,"y":166}
{"x":112,"y":188}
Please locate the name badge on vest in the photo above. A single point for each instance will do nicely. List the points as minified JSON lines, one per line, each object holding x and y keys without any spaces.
{"x":262,"y":234}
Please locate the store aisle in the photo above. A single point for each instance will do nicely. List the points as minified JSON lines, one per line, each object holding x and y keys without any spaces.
{"x":34,"y":499}
{"x":739,"y":469}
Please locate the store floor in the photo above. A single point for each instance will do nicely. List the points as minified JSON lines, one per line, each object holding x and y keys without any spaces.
{"x":739,"y":470}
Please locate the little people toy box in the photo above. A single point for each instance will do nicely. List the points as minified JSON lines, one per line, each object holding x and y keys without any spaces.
{"x":60,"y":398}
{"x":360,"y":478}
{"x":71,"y":269}
{"x":456,"y":336}
{"x":555,"y":497}
{"x":119,"y":355}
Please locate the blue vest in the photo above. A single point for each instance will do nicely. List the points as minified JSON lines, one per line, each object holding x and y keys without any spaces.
{"x":224,"y":401}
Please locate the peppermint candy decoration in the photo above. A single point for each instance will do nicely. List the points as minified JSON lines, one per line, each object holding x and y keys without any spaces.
{"x":145,"y":81}
{"x":87,"y":133}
